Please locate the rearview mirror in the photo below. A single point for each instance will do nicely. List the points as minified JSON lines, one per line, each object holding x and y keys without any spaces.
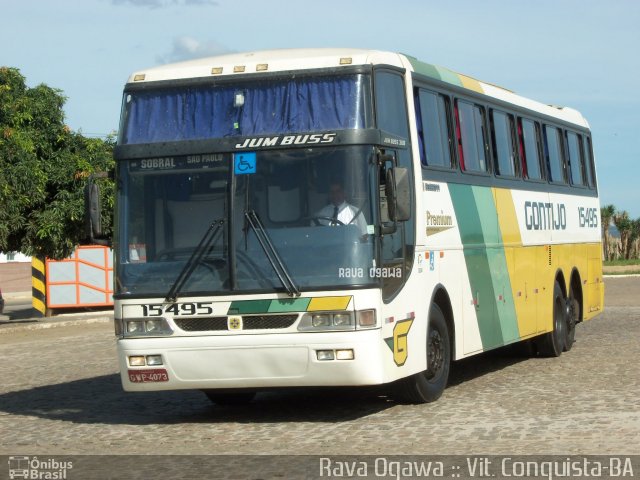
{"x":93,"y":211}
{"x":403,"y":194}
{"x":398,"y":193}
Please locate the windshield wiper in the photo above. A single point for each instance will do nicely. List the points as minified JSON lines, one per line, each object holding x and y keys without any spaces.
{"x":196,"y":257}
{"x":271,"y":253}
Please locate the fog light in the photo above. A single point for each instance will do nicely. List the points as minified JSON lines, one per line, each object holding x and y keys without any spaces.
{"x":321,"y":320}
{"x":344,"y":354}
{"x":325,"y":354}
{"x":137,"y":361}
{"x":135,"y":326}
{"x":154,"y":360}
{"x":340,"y":319}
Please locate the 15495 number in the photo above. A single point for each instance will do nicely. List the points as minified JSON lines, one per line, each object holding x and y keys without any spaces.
{"x":157,"y":309}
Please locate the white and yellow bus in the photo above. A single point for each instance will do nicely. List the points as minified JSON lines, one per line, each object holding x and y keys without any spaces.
{"x":343,"y":217}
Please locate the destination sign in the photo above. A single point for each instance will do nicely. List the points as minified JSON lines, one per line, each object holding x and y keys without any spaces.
{"x":176,"y":163}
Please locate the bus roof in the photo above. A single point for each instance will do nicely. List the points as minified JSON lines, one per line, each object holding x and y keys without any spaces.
{"x":304,"y":59}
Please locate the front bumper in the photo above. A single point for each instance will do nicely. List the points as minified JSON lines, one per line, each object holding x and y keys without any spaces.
{"x":256,"y":361}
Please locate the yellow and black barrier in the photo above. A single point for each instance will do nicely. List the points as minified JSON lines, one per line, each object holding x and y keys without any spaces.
{"x":38,"y":287}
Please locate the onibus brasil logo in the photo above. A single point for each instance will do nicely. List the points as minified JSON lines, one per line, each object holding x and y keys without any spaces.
{"x":36,"y":469}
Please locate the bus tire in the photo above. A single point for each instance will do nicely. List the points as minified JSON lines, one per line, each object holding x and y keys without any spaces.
{"x":573,"y":314}
{"x":427,"y":386}
{"x":229,"y":399}
{"x":553,"y":343}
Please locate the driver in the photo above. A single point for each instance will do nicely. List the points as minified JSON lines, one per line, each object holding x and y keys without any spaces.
{"x":338,"y":211}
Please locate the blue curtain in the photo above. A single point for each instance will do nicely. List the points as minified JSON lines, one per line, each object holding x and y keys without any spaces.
{"x":278,"y":107}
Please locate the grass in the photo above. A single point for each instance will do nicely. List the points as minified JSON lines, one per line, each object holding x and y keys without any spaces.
{"x":621,"y":262}
{"x":628,"y":272}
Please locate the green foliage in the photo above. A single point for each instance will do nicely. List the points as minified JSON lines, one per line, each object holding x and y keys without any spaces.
{"x":621,"y":262}
{"x":606,"y":214}
{"x":44,"y":167}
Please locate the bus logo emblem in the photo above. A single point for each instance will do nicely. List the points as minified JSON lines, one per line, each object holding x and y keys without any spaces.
{"x":399,"y":344}
{"x":234,"y":323}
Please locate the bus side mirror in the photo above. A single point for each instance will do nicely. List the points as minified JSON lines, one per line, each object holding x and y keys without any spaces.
{"x":403,"y":194}
{"x":398,"y":193}
{"x":93,"y":211}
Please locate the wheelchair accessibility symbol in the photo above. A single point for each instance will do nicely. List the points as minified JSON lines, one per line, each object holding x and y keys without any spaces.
{"x":244,"y":163}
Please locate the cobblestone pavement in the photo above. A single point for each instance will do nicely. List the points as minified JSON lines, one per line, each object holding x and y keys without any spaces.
{"x":60,"y":394}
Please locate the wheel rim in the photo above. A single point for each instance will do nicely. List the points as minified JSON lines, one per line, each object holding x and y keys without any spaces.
{"x":560,"y":324}
{"x":435,"y":355}
{"x":573,"y":312}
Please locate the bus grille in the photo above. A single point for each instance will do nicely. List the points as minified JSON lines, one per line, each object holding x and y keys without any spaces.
{"x":201,"y":324}
{"x":249,"y":322}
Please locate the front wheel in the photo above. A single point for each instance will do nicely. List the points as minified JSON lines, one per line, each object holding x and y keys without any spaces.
{"x":427,"y":386}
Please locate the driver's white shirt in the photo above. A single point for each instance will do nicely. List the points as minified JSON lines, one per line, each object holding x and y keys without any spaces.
{"x":346,"y":213}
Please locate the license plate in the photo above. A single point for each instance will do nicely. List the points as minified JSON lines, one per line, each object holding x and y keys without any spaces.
{"x":145,"y":376}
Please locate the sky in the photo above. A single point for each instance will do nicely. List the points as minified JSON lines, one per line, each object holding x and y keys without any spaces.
{"x":578,"y":53}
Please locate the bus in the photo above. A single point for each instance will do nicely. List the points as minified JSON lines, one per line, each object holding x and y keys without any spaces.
{"x":343,"y":217}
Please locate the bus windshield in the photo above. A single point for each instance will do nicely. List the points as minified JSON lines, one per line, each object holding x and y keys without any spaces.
{"x":315,"y":205}
{"x":258,"y":107}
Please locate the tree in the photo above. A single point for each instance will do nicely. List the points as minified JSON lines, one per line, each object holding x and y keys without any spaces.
{"x":44,"y":167}
{"x":634,"y":234}
{"x":624,"y":225}
{"x":606,"y":214}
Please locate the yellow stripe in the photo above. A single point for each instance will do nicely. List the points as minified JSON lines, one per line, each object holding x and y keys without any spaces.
{"x":507,"y":217}
{"x":328,"y":303}
{"x":39,"y":305}
{"x":37,"y":264}
{"x":521,"y":264}
{"x":38,"y":285}
{"x":470,"y":83}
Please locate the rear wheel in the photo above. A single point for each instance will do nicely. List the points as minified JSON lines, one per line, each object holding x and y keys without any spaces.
{"x":573,"y":317}
{"x":230,"y":398}
{"x":427,"y":386}
{"x":553,"y":343}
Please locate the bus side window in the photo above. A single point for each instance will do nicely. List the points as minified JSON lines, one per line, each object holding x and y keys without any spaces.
{"x":553,"y":155}
{"x":391,"y":104}
{"x":588,"y":158}
{"x":575,"y":159}
{"x":435,"y":137}
{"x":529,"y":140}
{"x":502,"y":140}
{"x":471,"y":132}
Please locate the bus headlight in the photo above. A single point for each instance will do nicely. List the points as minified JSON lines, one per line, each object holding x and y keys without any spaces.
{"x":342,"y":319}
{"x":321,"y":320}
{"x":326,"y":321}
{"x":147,"y":326}
{"x":153,"y":326}
{"x":135,"y":326}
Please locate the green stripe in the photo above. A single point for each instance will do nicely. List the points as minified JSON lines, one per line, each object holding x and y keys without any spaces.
{"x":241,"y":307}
{"x":486,"y":263}
{"x":476,"y":259}
{"x":424,"y":68}
{"x":435,"y":71}
{"x":505,"y":308}
{"x":293,"y":305}
{"x":449,"y":76}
